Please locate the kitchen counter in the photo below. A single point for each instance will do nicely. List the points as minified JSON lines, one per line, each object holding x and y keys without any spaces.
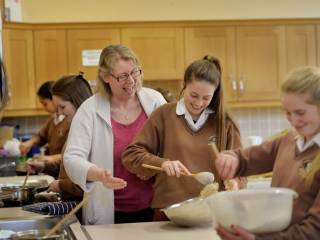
{"x":150,"y":231}
{"x":17,"y":213}
{"x":34,"y":180}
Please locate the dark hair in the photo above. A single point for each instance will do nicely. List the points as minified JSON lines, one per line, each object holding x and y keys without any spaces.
{"x":72,"y":88}
{"x":209,"y":70}
{"x":4,"y":90}
{"x":44,"y":90}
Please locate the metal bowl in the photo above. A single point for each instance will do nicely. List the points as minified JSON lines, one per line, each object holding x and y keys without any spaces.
{"x":37,"y":234}
{"x":189,"y":213}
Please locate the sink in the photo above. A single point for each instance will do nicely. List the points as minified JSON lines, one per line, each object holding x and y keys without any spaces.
{"x":18,"y":225}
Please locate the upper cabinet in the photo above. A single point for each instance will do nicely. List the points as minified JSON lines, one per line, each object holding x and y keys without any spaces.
{"x":81,"y":40}
{"x":252,"y":59}
{"x":300,"y":46}
{"x":318,"y":45}
{"x":50,"y":55}
{"x":260,"y":63}
{"x":19,"y":62}
{"x":256,"y":56}
{"x":215,"y":41}
{"x":160,"y":51}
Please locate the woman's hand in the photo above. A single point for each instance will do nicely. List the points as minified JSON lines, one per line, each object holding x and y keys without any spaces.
{"x":227,"y":165}
{"x":236,"y":233}
{"x":54,"y":187}
{"x":109,"y":181}
{"x":174,"y":168}
{"x":35,"y":166}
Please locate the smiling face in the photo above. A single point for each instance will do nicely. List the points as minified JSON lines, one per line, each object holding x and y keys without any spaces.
{"x":303,"y":116}
{"x":123,"y":88}
{"x":197,"y":97}
{"x":65,"y":108}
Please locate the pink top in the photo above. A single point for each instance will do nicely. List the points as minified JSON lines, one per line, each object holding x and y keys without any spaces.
{"x":138,"y":193}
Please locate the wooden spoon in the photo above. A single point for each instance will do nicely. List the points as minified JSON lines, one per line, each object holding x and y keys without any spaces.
{"x":66,"y":217}
{"x":25,"y":180}
{"x":202,"y":177}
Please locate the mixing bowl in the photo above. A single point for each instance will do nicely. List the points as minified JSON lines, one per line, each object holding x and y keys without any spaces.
{"x":189,"y":213}
{"x":257,"y":210}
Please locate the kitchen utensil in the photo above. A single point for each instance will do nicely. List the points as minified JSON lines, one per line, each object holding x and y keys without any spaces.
{"x":215,"y":153}
{"x":18,"y":194}
{"x":37,"y":234}
{"x":257,"y":210}
{"x":26,"y":179}
{"x":189,"y":213}
{"x":68,"y":216}
{"x":202,"y":177}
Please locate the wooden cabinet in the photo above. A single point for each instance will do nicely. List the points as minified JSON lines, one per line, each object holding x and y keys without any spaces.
{"x":19,"y":62}
{"x":215,"y":41}
{"x":160,"y":51}
{"x":318,"y":45}
{"x":50,"y":55}
{"x":252,"y":58}
{"x":88,"y":39}
{"x":300,"y":46}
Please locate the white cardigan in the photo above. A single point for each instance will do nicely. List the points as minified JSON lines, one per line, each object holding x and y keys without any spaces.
{"x":90,"y":142}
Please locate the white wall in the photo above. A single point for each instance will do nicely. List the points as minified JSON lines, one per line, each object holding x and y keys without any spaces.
{"x":148,"y":10}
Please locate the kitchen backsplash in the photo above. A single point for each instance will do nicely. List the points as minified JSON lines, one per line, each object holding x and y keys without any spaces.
{"x":262,"y":122}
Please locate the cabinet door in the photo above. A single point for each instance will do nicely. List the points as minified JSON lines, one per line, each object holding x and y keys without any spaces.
{"x":160,"y":51}
{"x":301,"y":46}
{"x":261,"y":62}
{"x":88,"y":39}
{"x":318,"y":45}
{"x":218,"y":42}
{"x":19,"y":62}
{"x":50,"y":55}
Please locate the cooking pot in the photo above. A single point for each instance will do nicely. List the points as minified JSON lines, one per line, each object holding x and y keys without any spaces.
{"x":21,"y":194}
{"x":37,"y":234}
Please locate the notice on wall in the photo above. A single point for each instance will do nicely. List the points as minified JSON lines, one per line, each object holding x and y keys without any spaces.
{"x":91,"y":57}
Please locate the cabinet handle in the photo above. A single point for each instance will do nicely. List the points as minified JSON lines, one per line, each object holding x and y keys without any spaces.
{"x":241,"y":87}
{"x":234,"y":87}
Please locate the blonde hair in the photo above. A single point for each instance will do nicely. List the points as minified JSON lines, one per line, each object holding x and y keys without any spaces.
{"x":304,"y":80}
{"x":108,"y":57}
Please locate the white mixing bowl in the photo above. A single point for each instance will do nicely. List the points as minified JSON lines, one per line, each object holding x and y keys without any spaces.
{"x":190,"y":213}
{"x":257,"y":210}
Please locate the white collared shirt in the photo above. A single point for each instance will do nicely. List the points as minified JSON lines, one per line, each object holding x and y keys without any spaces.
{"x":302,"y":145}
{"x":58,"y":118}
{"x":195,"y":126}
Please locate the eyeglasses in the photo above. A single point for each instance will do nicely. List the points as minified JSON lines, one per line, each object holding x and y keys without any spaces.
{"x":124,"y":77}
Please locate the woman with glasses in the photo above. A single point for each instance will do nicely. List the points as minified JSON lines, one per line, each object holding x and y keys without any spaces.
{"x":101,"y":129}
{"x":175,"y":138}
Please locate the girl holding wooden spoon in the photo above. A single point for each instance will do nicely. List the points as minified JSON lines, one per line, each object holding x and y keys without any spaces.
{"x":175,"y":137}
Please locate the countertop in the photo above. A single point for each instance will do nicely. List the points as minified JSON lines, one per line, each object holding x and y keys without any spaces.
{"x":35,"y":180}
{"x":17,"y":213}
{"x":150,"y":231}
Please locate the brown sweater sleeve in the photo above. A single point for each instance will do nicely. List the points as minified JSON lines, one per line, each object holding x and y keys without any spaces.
{"x":52,"y":168}
{"x":257,"y":159}
{"x":145,"y":147}
{"x":69,"y":190}
{"x":308,"y":229}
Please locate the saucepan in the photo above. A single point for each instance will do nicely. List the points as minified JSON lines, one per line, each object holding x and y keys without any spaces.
{"x":38,"y":234}
{"x":21,"y":194}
